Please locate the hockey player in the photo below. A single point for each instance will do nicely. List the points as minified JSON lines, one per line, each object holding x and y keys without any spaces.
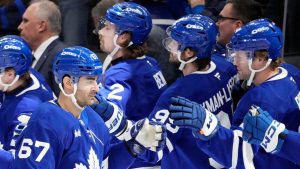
{"x":257,"y":125}
{"x":209,"y":81}
{"x":67,"y":133}
{"x":134,"y":81}
{"x":256,"y":53}
{"x":22,"y":89}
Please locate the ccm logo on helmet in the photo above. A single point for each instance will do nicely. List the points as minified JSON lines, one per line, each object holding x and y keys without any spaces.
{"x":69,"y":53}
{"x":133,"y":10}
{"x":194,"y":26}
{"x":11,"y":47}
{"x":255,"y":31}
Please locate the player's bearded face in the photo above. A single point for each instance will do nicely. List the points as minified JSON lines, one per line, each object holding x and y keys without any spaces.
{"x":86,"y":91}
{"x":106,"y":36}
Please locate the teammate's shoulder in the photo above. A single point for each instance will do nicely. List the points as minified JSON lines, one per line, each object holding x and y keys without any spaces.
{"x":54,"y":116}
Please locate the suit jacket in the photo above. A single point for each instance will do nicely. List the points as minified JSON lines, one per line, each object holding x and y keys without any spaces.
{"x":44,"y":64}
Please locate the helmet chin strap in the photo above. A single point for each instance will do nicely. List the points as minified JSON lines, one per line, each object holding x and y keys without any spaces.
{"x":249,"y":81}
{"x":182,"y":62}
{"x":72,"y":95}
{"x":110,"y":56}
{"x":6,"y":86}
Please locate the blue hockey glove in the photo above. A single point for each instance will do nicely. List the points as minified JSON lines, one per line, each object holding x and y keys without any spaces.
{"x":113,"y":117}
{"x":145,"y":135}
{"x":188,"y":114}
{"x":261,"y":129}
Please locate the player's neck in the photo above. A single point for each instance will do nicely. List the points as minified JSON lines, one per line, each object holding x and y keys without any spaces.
{"x":264,"y":75}
{"x":66,"y":103}
{"x":191,"y":67}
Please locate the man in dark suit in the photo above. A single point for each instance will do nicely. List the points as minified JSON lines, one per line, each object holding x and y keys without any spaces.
{"x":40,"y":27}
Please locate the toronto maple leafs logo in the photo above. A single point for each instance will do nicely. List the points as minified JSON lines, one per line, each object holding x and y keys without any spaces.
{"x":217,"y":75}
{"x":80,"y":166}
{"x":77,"y":133}
{"x":93,"y":161}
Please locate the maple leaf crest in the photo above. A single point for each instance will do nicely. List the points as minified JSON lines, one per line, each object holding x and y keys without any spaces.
{"x":93,"y":160}
{"x":80,"y":166}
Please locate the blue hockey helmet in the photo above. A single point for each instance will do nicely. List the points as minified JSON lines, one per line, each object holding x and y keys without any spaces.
{"x":194,"y":31}
{"x":259,"y":34}
{"x":15,"y":53}
{"x":76,"y":62}
{"x":131,"y":17}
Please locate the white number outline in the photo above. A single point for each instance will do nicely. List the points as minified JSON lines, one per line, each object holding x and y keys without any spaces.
{"x":26,"y":148}
{"x":116,"y":88}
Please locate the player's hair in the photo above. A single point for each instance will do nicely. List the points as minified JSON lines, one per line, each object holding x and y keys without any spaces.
{"x":264,"y":54}
{"x":246,"y":10}
{"x":202,"y":63}
{"x":135,"y":51}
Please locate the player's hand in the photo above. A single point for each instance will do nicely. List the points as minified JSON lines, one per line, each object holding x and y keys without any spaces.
{"x":145,"y":135}
{"x":188,"y":114}
{"x":261,"y":129}
{"x":113,"y":117}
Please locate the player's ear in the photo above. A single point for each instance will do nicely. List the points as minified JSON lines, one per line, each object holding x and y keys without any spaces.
{"x":124,"y":39}
{"x":188,"y":53}
{"x":11,"y":73}
{"x":68,"y":84}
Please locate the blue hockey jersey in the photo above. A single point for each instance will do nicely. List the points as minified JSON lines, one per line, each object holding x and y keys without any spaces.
{"x":55,"y":138}
{"x":134,"y":85}
{"x":293,"y":71}
{"x":279,"y":95}
{"x":291,"y":148}
{"x":17,"y":106}
{"x":212,"y":89}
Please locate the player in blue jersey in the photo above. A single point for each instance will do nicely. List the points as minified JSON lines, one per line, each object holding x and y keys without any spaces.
{"x":67,"y":133}
{"x":256,"y":52}
{"x":207,"y":80}
{"x":22,"y":89}
{"x":258,"y":124}
{"x":134,"y":81}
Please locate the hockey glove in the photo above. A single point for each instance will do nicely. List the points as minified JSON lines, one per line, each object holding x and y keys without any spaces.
{"x":188,"y":114}
{"x":261,"y":129}
{"x":112,"y":116}
{"x":145,"y":135}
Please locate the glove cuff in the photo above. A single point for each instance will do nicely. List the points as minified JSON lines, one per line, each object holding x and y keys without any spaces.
{"x":116,"y":124}
{"x":274,"y":137}
{"x":209,"y":128}
{"x":125,"y":133}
